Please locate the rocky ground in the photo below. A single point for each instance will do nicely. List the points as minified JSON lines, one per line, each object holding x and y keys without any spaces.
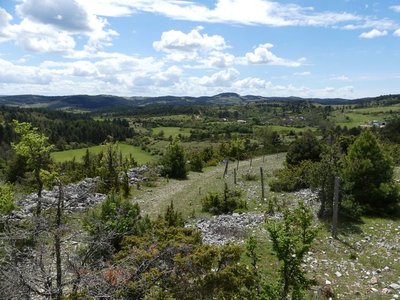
{"x":228,"y":228}
{"x":77,"y":196}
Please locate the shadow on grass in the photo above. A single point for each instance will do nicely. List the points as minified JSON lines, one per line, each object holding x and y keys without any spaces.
{"x":346,"y":226}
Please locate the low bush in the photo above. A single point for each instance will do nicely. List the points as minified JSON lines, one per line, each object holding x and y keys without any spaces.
{"x":228,"y":202}
{"x":250,"y":176}
{"x":292,"y":178}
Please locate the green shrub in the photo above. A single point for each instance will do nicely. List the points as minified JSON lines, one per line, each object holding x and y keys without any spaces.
{"x":174,"y":161}
{"x":367,"y":175}
{"x":212,"y":163}
{"x":196,"y":162}
{"x":292,"y":178}
{"x":305,"y":148}
{"x":250,"y":176}
{"x":228,"y":202}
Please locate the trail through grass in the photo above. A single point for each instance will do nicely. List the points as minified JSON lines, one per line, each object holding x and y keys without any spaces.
{"x":187,"y":194}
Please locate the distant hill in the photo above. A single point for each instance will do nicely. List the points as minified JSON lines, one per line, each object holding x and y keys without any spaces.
{"x":104,"y":102}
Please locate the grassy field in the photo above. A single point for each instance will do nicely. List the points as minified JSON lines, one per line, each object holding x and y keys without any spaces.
{"x":140,"y":156}
{"x":172,"y":131}
{"x":360,"y":116}
{"x":365,"y":252}
{"x":354,"y":119}
{"x":187,"y":194}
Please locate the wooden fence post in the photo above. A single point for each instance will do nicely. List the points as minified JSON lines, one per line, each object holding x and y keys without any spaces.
{"x":262,"y":184}
{"x":335,"y":207}
{"x":226,"y":167}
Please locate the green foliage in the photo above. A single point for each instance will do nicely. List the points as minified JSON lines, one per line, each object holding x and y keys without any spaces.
{"x":291,"y":238}
{"x":172,"y":217}
{"x":116,"y":218}
{"x":6,"y":199}
{"x":269,"y":139}
{"x":172,"y":263}
{"x":306,"y":147}
{"x":35,"y":147}
{"x":367,"y":175}
{"x":109,"y":167}
{"x":174,"y":161}
{"x":292,"y":178}
{"x":321,"y":176}
{"x":228,"y":202}
{"x":250,"y":176}
{"x":251,"y":252}
{"x":196,"y":162}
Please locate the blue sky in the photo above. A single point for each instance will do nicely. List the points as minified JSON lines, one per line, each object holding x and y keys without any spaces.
{"x":306,"y":48}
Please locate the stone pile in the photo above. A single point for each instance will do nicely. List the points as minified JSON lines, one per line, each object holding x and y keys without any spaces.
{"x":228,"y":228}
{"x":77,"y":196}
{"x":136,"y":175}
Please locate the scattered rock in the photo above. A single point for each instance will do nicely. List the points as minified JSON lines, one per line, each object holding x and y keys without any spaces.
{"x":228,"y":228}
{"x":373,"y":280}
{"x":394,"y":286}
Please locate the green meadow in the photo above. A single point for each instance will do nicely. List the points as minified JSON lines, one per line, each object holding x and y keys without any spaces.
{"x":171,"y":131}
{"x":140,"y":156}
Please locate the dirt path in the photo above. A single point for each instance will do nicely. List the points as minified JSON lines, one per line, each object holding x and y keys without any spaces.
{"x":186,"y":194}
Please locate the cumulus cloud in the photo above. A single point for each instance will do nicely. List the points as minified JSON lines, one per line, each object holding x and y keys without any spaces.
{"x":12,"y":73}
{"x":181,"y":46}
{"x":397,"y":32}
{"x":374,"y":33}
{"x":5,"y":19}
{"x":53,"y":26}
{"x":263,"y":55}
{"x":251,"y":83}
{"x":41,"y":38}
{"x":221,"y":78}
{"x":65,"y":15}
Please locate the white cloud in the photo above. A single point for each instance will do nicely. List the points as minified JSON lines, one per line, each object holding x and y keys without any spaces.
{"x":53,"y":26}
{"x":305,"y":73}
{"x":12,"y":73}
{"x":216,"y":59}
{"x":367,"y":22}
{"x":251,"y":83}
{"x":65,"y":15}
{"x":184,"y":46}
{"x":341,"y":78}
{"x":248,"y":12}
{"x":397,"y":32}
{"x":345,"y":91}
{"x":41,"y":38}
{"x":374,"y":33}
{"x":396,"y":8}
{"x":5,"y":19}
{"x":262,"y":55}
{"x":221,"y":78}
